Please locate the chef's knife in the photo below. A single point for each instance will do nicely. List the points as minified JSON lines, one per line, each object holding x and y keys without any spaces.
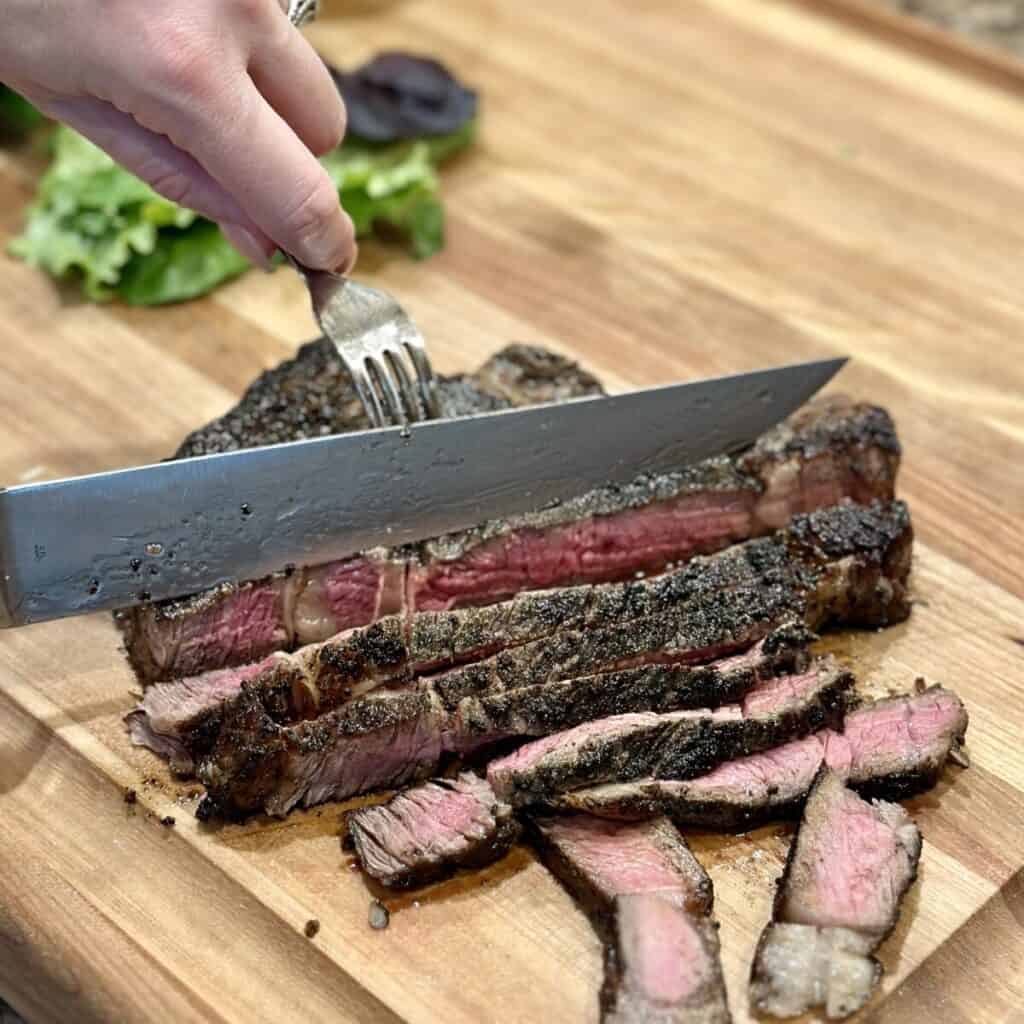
{"x":117,"y":539}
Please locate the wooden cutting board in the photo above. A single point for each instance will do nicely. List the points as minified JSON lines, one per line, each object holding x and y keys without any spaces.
{"x":663,"y":190}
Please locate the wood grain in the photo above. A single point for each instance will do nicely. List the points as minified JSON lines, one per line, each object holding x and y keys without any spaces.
{"x":663,"y":189}
{"x":951,"y":50}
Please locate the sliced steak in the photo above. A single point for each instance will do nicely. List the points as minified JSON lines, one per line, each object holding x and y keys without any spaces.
{"x":389,"y":738}
{"x":847,"y":563}
{"x":173,"y":718}
{"x":892,"y":748}
{"x":537,"y":637}
{"x":425,"y":833}
{"x":849,"y":866}
{"x":177,"y":719}
{"x":650,"y":902}
{"x":831,"y":450}
{"x":675,"y":745}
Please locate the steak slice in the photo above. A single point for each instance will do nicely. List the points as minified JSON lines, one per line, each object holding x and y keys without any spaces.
{"x":390,"y":738}
{"x":849,"y":564}
{"x":661,"y":685}
{"x":425,"y":833}
{"x":892,"y":748}
{"x":675,"y":745}
{"x":831,"y":450}
{"x":650,"y":902}
{"x":849,"y":867}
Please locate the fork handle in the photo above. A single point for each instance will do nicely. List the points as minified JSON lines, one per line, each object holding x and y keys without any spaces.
{"x":302,"y":12}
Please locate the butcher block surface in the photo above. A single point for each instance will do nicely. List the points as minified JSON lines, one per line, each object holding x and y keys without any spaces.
{"x":664,"y":189}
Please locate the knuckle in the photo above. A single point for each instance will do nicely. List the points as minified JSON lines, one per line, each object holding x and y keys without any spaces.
{"x":249,"y":10}
{"x":171,"y":183}
{"x":183,"y":67}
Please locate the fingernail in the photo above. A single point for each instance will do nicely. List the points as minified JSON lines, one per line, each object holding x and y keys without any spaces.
{"x":346,"y":267}
{"x":248,"y":245}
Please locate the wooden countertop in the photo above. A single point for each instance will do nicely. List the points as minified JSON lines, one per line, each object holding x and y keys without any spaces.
{"x":664,"y":189}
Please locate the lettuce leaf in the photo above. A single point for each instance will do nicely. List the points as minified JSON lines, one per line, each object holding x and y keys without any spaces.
{"x":182,"y":265}
{"x":94,"y":221}
{"x":17,"y":116}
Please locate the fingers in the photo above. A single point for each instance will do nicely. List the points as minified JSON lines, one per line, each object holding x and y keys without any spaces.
{"x":151,"y":157}
{"x":277,"y":181}
{"x":256,"y":248}
{"x":202,"y":132}
{"x":295,"y":82}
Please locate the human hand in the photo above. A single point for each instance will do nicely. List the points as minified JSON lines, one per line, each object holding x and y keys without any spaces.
{"x":219,"y":105}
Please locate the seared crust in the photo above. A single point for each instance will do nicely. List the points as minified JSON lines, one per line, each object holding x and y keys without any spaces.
{"x":673,"y":747}
{"x":750,"y":806}
{"x":312,"y":396}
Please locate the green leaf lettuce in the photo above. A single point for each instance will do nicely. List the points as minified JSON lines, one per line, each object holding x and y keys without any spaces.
{"x":94,"y":221}
{"x":17,"y":115}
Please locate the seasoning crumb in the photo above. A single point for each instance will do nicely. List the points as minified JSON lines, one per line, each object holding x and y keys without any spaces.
{"x":920,"y":684}
{"x":379,"y":916}
{"x":167,"y":822}
{"x":130,"y":796}
{"x":416,"y":904}
{"x":312,"y":927}
{"x":958,"y":755}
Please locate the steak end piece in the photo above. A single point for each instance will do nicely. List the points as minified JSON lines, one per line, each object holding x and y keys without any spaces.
{"x":889,"y":749}
{"x":849,"y":866}
{"x":650,"y":901}
{"x":426,"y":833}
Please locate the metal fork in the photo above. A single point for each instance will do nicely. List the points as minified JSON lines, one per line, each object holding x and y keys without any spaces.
{"x":377,"y":342}
{"x":379,"y":345}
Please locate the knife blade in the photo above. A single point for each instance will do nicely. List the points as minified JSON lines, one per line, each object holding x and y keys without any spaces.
{"x":116,"y":539}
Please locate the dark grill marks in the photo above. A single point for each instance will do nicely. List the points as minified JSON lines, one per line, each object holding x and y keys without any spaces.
{"x":388,"y":738}
{"x":823,"y":569}
{"x":849,"y":866}
{"x":534,"y":637}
